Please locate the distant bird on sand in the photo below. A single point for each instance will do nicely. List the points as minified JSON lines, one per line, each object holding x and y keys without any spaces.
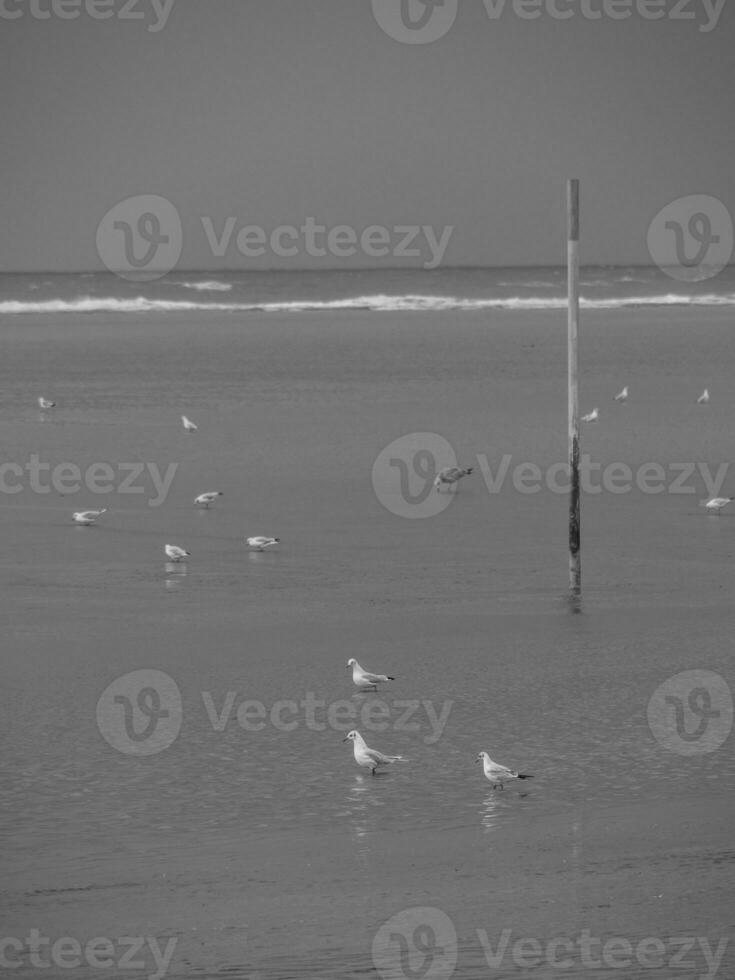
{"x":44,"y":403}
{"x":88,"y":516}
{"x":208,"y":498}
{"x":592,"y":416}
{"x":175,"y":553}
{"x":364,"y":679}
{"x":704,"y":397}
{"x":622,"y":396}
{"x":188,"y":424}
{"x":715,"y":505}
{"x":496,"y":773}
{"x":367,"y":757}
{"x":261,"y":542}
{"x":450,"y":476}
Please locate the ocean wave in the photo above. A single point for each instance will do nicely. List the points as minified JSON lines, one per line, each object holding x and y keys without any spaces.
{"x":377,"y":303}
{"x":206,"y":286}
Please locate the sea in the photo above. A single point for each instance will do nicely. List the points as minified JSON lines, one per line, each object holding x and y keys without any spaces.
{"x":381,"y":290}
{"x":177,"y":798}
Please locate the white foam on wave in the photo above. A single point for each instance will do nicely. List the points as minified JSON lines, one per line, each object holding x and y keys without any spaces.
{"x":378,"y":303}
{"x":206,"y":286}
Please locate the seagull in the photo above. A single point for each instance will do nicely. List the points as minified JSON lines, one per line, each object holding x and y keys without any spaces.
{"x":715,"y":505}
{"x":622,"y":396}
{"x":364,"y":679}
{"x":593,"y":416}
{"x":188,"y":424}
{"x":88,"y":516}
{"x":44,"y":403}
{"x":208,"y":498}
{"x":175,"y":553}
{"x":367,"y":757}
{"x":450,"y":476}
{"x":704,"y":397}
{"x":261,"y":542}
{"x":496,"y":773}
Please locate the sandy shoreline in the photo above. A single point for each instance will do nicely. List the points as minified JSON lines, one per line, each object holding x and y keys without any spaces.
{"x":277,"y":857}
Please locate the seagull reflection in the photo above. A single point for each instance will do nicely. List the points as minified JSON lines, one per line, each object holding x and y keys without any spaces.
{"x":489,"y":813}
{"x":360,"y":798}
{"x":175,"y":573}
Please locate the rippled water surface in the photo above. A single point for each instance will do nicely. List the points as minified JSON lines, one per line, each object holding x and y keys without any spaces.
{"x":253,"y":840}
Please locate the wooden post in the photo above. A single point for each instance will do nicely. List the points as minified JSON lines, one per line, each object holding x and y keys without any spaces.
{"x":575,"y":560}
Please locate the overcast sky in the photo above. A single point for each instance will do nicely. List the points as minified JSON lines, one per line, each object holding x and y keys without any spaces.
{"x":273,"y":111}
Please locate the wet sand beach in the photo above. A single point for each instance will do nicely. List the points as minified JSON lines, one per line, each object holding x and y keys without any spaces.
{"x":266,"y":852}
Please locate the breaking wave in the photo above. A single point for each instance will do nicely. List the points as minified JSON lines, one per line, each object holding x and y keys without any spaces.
{"x":377,"y":303}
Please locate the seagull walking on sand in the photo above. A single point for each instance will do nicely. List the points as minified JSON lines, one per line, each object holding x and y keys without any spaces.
{"x":208,"y":498}
{"x":44,"y":403}
{"x":704,"y":397}
{"x":88,"y":517}
{"x":496,"y":773}
{"x":450,"y":476}
{"x":622,"y":396}
{"x":364,"y":679}
{"x":188,"y":424}
{"x":367,"y":757}
{"x":175,"y":553}
{"x":592,"y":416}
{"x":715,"y":505}
{"x":261,"y":542}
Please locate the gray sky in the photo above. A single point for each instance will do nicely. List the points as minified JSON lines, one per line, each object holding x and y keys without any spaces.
{"x":271,"y":111}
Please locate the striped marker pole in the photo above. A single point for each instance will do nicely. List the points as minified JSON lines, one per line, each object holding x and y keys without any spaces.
{"x":575,"y":557}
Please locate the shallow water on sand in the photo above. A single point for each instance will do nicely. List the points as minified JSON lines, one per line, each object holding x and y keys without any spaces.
{"x":254,"y":840}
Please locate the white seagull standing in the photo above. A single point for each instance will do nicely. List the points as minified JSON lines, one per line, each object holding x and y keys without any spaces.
{"x":44,"y":403}
{"x":261,"y":542}
{"x":496,"y":773}
{"x":704,"y":397}
{"x":208,"y":498}
{"x":88,"y":517}
{"x":367,"y":757}
{"x":715,"y":505}
{"x":622,"y":396}
{"x":592,"y":416}
{"x":175,"y":553}
{"x":450,"y":476}
{"x":188,"y":424}
{"x":364,"y":679}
